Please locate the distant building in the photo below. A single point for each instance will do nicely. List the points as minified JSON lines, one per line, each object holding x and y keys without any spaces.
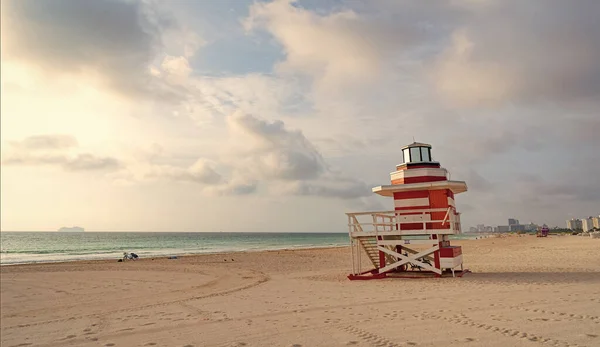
{"x":574,"y":224}
{"x":512,"y":221}
{"x":489,"y":229}
{"x":503,"y":228}
{"x":531,"y":227}
{"x":596,"y":222}
{"x":472,"y":230}
{"x":587,"y":224}
{"x":517,"y":227}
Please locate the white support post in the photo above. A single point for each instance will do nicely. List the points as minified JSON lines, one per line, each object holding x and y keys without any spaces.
{"x":375,"y":224}
{"x":359,"y":253}
{"x":352,"y":245}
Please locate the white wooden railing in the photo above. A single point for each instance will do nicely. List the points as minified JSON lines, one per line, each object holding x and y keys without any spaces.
{"x":395,"y":222}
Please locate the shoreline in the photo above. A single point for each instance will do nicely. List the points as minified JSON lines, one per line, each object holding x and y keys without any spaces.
{"x":12,"y":258}
{"x":178,"y":255}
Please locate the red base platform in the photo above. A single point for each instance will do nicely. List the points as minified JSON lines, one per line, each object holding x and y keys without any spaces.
{"x":373,"y":275}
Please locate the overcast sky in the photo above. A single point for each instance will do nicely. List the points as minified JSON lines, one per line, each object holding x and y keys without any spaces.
{"x":281,"y":116}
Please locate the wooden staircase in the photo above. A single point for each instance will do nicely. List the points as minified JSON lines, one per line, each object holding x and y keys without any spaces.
{"x":369,"y":245}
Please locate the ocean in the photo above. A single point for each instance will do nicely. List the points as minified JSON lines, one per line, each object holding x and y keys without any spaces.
{"x":46,"y":247}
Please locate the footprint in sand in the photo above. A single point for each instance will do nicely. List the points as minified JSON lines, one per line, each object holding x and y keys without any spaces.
{"x":109,"y":344}
{"x":150,"y":344}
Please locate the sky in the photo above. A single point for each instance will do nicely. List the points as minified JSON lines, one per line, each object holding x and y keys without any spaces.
{"x":280,"y":116}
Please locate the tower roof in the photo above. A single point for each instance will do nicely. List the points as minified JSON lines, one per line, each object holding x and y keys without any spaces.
{"x":416,"y":144}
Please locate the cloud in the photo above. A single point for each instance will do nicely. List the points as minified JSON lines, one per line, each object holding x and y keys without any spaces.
{"x":79,"y":162}
{"x":359,"y":61}
{"x":510,"y":51}
{"x":554,"y":192}
{"x":270,"y":151}
{"x":478,"y":183}
{"x":334,"y":187}
{"x":112,"y":41}
{"x":45,"y":142}
{"x":233,"y":188}
{"x":202,"y":171}
{"x":53,"y":150}
{"x":265,"y":153}
{"x":287,"y":160}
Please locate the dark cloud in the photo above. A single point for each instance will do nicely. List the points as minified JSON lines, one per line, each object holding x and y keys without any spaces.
{"x":278,"y":153}
{"x":115,"y":39}
{"x":525,"y":52}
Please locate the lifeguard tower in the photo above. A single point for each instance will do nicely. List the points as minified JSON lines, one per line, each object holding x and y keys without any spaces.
{"x":413,"y":239}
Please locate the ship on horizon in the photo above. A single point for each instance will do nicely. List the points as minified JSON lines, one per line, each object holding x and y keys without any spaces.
{"x":75,"y":229}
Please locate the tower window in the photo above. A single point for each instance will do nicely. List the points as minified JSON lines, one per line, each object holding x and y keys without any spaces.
{"x":406,"y":155}
{"x":425,"y":154}
{"x":415,"y":154}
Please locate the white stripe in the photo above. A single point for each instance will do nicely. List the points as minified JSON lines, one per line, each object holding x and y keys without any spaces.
{"x":411,"y":202}
{"x":451,"y":202}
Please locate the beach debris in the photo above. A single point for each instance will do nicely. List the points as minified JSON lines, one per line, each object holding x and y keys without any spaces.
{"x":172,"y":257}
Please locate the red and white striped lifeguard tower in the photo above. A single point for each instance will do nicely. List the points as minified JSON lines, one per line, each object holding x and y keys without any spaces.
{"x":412,"y":240}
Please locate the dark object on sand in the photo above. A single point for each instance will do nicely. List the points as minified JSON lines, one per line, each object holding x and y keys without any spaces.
{"x":120,"y":260}
{"x":135,"y":256}
{"x":172,"y":257}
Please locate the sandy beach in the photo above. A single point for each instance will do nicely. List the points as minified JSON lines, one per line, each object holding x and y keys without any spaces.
{"x":523,"y":291}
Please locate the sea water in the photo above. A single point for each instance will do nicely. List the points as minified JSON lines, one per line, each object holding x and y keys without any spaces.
{"x":34,"y":247}
{"x":44,"y":247}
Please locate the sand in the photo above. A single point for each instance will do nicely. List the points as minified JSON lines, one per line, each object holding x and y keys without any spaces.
{"x":523,"y":291}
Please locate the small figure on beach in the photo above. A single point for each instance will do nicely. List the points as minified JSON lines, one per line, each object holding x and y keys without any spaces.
{"x":130,"y":256}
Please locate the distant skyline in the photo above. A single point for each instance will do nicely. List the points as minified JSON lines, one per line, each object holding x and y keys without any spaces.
{"x":282,"y":115}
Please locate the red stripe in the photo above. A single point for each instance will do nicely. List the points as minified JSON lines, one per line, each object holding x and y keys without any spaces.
{"x":439,"y":199}
{"x":411,"y":195}
{"x":419,"y":179}
{"x":421,"y":166}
